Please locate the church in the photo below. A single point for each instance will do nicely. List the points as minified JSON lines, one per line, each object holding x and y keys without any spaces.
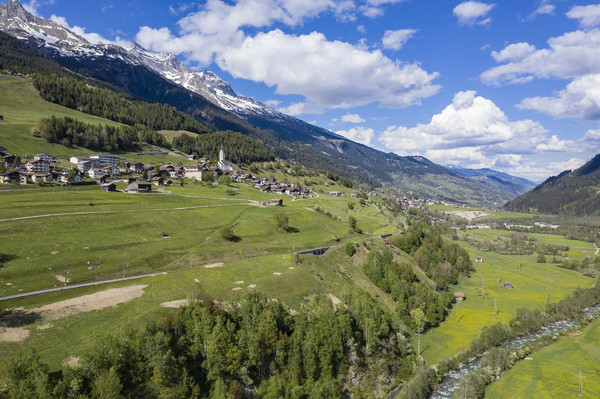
{"x":224,"y":164}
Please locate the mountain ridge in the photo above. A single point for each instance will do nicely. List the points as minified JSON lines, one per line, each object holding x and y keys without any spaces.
{"x":572,"y":192}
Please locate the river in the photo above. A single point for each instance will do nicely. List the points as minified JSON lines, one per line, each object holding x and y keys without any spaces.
{"x":450,"y":382}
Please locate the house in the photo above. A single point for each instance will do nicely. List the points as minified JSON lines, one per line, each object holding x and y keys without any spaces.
{"x":41,"y":177}
{"x":136,"y":167}
{"x":64,"y":177}
{"x":157,"y":180}
{"x":139,"y":187}
{"x":45,"y":157}
{"x":109,"y":187}
{"x":459,"y":296}
{"x":478,"y":259}
{"x":37,"y":167}
{"x":195,"y":172}
{"x":275,"y":202}
{"x":508,"y":285}
{"x":111,"y":170}
{"x":192,"y":157}
{"x":96,"y":173}
{"x":2,"y":151}
{"x":388,"y":243}
{"x":11,"y":160}
{"x":84,"y":165}
{"x":16,"y":176}
{"x":203,"y":160}
{"x":335,"y":193}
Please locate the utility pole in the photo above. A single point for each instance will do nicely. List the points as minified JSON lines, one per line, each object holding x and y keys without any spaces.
{"x":482,"y":291}
{"x":65,"y":274}
{"x":293,"y":246}
{"x":580,"y":387}
{"x":123,"y":267}
{"x":190,"y":259}
{"x":457,"y":309}
{"x":418,"y":345}
{"x":498,"y":273}
{"x":548,"y":285}
{"x":496,"y":308}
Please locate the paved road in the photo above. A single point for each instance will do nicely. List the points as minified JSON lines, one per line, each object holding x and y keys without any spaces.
{"x":69,"y":287}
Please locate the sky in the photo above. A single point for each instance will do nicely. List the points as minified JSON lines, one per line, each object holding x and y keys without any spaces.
{"x":511,"y":85}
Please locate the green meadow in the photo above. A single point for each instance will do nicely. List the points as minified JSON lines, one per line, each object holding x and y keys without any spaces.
{"x":553,"y":371}
{"x":529,"y":280}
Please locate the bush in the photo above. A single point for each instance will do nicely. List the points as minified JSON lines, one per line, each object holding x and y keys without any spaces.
{"x":350,"y":250}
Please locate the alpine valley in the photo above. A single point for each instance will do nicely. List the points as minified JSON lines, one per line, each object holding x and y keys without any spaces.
{"x":162,"y":78}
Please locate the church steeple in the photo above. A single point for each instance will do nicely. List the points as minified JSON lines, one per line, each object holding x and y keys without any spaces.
{"x":222,"y":154}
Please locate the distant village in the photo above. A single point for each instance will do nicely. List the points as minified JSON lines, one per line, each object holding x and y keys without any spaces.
{"x":106,"y":169}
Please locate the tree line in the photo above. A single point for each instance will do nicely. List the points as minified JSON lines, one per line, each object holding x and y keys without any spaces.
{"x":238,"y":148}
{"x":93,"y":100}
{"x":257,"y":349}
{"x":70,"y":132}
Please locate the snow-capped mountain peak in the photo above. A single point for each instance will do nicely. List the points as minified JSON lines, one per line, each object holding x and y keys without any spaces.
{"x":17,"y":21}
{"x":205,"y":83}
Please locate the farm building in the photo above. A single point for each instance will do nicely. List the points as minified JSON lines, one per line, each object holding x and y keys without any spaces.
{"x":508,"y":285}
{"x":388,"y":243}
{"x":139,"y":187}
{"x":275,"y":202}
{"x":109,"y":187}
{"x":478,"y":259}
{"x":459,"y":296}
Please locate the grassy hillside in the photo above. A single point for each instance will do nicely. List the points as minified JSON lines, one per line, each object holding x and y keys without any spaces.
{"x":22,"y":107}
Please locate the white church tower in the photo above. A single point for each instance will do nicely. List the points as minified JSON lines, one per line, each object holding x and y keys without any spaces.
{"x":224,"y":164}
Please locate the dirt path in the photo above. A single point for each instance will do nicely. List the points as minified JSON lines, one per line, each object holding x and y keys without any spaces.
{"x":118,"y":212}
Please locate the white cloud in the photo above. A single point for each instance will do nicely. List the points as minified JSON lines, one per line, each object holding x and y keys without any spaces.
{"x":473,"y":13}
{"x":352,"y":118}
{"x":272,"y":103}
{"x":395,"y":39}
{"x":588,"y":16}
{"x":301,"y":108}
{"x":359,"y":134}
{"x":471,"y":132}
{"x":580,"y":99}
{"x":328,"y":73}
{"x":89,"y":36}
{"x":569,"y":164}
{"x":543,"y":9}
{"x":513,"y":52}
{"x":571,"y":55}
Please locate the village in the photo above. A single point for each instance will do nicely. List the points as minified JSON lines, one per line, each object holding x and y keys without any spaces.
{"x":107,"y":169}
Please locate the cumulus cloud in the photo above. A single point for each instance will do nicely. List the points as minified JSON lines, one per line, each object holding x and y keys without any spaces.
{"x":359,"y":134}
{"x":513,"y":52}
{"x":89,"y":36}
{"x":588,"y":16}
{"x":352,"y":118}
{"x":473,"y":13}
{"x":580,"y":99}
{"x":329,"y":74}
{"x":571,"y":55}
{"x":395,"y":39}
{"x":472,"y":132}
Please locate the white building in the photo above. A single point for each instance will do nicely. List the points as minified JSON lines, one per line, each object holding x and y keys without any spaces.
{"x":224,"y":164}
{"x":37,"y":167}
{"x":44,"y":157}
{"x":102,"y":160}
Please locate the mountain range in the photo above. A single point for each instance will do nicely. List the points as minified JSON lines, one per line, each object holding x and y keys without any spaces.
{"x":163,"y":78}
{"x":573,"y":192}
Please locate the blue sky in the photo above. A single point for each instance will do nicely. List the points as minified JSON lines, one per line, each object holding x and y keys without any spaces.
{"x":511,"y":85}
